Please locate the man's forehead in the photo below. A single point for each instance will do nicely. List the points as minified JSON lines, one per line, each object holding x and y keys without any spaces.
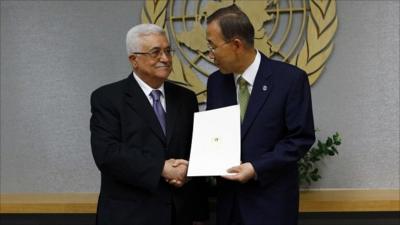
{"x":154,"y":41}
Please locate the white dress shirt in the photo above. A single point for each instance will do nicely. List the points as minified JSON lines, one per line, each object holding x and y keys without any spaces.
{"x":147,"y":90}
{"x":249,"y":75}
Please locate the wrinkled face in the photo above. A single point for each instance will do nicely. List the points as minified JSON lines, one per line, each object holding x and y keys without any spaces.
{"x":221,"y":51}
{"x":153,"y":63}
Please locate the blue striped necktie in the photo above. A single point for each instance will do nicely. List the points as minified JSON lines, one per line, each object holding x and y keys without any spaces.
{"x":158,"y":109}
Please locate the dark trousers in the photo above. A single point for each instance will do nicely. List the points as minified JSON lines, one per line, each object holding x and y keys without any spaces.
{"x":236,"y":218}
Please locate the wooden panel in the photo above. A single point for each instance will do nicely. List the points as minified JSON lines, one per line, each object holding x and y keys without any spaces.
{"x":48,"y":203}
{"x":349,"y":200}
{"x":310,"y":201}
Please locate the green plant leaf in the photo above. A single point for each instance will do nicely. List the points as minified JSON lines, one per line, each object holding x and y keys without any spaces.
{"x":308,"y":165}
{"x":335,"y":150}
{"x":336,"y":138}
{"x":329,"y":141}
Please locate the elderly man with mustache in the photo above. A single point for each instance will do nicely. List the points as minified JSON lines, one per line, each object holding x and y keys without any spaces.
{"x":141,"y":131}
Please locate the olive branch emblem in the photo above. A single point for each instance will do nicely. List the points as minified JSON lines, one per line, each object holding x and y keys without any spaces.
{"x":312,"y":57}
{"x":155,"y":12}
{"x":321,"y":28}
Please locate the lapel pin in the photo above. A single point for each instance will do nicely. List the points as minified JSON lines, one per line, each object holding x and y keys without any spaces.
{"x":264,"y":88}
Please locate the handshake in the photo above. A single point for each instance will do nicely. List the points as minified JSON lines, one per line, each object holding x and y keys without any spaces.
{"x":174,"y":172}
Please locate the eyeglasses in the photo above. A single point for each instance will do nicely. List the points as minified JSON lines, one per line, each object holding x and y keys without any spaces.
{"x":212,"y":49}
{"x":156,"y":53}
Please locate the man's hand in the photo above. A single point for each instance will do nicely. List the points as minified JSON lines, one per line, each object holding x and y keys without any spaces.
{"x":243,"y":173}
{"x":175,"y":171}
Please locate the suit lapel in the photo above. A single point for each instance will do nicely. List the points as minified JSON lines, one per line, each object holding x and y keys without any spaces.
{"x":137,"y":100}
{"x":173,"y":105}
{"x":261,"y":89}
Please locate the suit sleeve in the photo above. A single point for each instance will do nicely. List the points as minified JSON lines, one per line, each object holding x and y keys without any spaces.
{"x":135,"y":167}
{"x":300,"y":133}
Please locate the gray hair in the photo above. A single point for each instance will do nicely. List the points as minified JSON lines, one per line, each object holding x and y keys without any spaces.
{"x":133,"y":37}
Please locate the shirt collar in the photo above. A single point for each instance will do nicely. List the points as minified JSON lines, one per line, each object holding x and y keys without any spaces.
{"x":145,"y":87}
{"x":250,"y":73}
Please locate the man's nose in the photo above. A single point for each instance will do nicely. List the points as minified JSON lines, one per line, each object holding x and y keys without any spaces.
{"x":164,"y":57}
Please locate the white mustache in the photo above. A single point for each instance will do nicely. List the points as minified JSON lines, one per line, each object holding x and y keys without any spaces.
{"x":163,"y":65}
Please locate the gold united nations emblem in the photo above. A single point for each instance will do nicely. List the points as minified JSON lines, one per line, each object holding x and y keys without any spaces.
{"x":299,"y":32}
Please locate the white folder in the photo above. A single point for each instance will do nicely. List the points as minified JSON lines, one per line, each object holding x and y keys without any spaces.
{"x":215,"y":142}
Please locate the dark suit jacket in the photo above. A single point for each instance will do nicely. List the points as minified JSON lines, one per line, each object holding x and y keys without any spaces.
{"x":276,"y":132}
{"x":129,"y":149}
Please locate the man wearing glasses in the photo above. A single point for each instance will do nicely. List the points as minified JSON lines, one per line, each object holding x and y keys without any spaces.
{"x":141,"y":131}
{"x":277,"y":126}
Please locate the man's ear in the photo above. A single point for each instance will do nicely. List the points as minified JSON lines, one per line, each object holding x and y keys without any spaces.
{"x":238,"y":43}
{"x":132,"y":59}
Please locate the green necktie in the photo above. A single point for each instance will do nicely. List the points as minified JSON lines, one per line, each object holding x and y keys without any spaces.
{"x":244,"y":96}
